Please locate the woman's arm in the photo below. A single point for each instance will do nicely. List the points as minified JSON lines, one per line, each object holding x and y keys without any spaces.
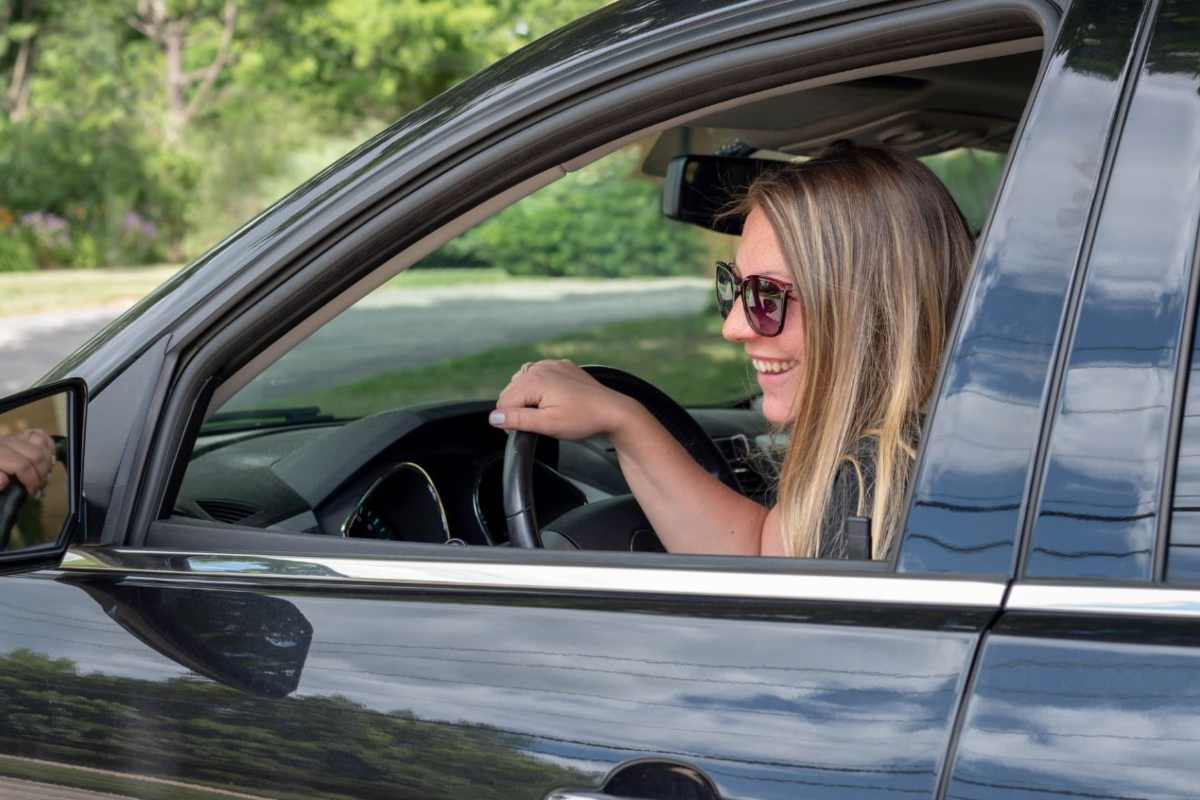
{"x":691,"y":511}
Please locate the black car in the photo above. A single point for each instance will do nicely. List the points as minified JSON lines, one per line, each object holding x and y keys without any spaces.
{"x":285,"y":568}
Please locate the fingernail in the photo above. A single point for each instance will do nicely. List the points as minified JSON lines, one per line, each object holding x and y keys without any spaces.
{"x":496,"y":418}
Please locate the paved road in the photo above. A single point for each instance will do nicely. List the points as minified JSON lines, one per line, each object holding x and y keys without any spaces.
{"x":17,"y":789}
{"x":31,"y":345}
{"x":392,"y":328}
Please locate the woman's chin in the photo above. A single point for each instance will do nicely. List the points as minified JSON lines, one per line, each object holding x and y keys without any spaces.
{"x":777,"y":410}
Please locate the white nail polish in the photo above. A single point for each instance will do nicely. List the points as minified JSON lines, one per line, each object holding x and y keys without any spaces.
{"x":496,"y":418}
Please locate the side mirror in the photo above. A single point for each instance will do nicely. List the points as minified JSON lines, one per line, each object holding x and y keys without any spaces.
{"x":36,"y":528}
{"x":700,"y":189}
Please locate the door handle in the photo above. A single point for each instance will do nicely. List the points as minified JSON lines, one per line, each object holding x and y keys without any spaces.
{"x":647,"y":779}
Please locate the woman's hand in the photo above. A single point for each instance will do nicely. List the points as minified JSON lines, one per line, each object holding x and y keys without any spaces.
{"x":558,"y":399}
{"x":27,"y":456}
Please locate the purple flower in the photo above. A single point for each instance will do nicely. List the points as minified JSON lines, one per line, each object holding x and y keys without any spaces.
{"x":44,"y":222}
{"x":135,"y":224}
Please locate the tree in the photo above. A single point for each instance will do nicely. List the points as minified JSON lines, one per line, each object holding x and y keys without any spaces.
{"x":187,"y":91}
{"x":21,"y":22}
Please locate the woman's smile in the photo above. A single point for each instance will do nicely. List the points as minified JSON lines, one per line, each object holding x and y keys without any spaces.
{"x":771,"y":366}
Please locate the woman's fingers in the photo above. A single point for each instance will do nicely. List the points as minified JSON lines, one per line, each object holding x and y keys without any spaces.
{"x":14,"y":461}
{"x":29,"y":457}
{"x":515,"y":418}
{"x":548,"y":397}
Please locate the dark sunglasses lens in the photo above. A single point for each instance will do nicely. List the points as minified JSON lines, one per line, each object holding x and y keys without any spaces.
{"x":726,"y":290}
{"x":765,"y":305}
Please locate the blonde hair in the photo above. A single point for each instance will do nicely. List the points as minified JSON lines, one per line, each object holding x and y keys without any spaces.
{"x":878,"y":252}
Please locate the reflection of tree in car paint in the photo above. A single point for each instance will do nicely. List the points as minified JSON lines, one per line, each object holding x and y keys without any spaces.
{"x":250,"y":745}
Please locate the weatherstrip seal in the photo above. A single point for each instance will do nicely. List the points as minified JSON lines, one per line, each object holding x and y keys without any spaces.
{"x":889,"y":589}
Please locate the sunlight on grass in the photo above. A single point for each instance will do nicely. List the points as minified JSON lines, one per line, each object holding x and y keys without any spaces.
{"x":48,"y":291}
{"x":683,"y":356}
{"x":58,"y":290}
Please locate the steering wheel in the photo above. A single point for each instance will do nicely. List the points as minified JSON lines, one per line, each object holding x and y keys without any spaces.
{"x":12,"y":497}
{"x":584,"y":524}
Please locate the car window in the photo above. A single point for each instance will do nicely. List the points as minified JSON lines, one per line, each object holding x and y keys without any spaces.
{"x":586,"y":269}
{"x":391,"y":396}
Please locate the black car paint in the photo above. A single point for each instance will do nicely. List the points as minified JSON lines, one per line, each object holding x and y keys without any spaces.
{"x":1099,"y":705}
{"x":977,"y":460}
{"x":768,"y":700}
{"x":416,"y":692}
{"x":1102,"y":492}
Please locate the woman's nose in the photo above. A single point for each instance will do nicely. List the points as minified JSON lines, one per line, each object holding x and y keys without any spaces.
{"x":736,"y":328}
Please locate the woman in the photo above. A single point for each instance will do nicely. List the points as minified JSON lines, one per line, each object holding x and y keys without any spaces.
{"x":845,"y":285}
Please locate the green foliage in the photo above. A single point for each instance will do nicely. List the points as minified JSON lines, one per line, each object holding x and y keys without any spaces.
{"x":972,"y":177}
{"x":600,"y":222}
{"x":94,"y":139}
{"x":88,"y":197}
{"x":15,"y":254}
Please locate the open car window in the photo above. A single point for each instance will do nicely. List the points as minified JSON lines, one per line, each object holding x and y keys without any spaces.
{"x":585,"y":269}
{"x":390,"y":398}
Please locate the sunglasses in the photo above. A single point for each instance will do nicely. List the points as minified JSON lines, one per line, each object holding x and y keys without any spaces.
{"x":764,"y":299}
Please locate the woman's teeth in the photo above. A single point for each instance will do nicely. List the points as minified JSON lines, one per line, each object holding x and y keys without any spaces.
{"x":772,"y":366}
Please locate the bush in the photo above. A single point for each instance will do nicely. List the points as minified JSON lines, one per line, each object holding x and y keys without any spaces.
{"x":72,"y":190}
{"x":601,"y":222}
{"x":15,"y":254}
{"x":972,"y":176}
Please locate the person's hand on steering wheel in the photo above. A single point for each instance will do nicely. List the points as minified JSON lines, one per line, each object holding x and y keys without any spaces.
{"x":557,"y":398}
{"x":28,"y":457}
{"x":680,"y":479}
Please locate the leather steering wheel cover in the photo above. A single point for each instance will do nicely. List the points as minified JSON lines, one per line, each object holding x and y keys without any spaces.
{"x":517,"y":474}
{"x":517,"y":482}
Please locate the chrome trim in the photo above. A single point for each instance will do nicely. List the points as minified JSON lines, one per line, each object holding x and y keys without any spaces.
{"x":1137,"y":601}
{"x":886,"y":589}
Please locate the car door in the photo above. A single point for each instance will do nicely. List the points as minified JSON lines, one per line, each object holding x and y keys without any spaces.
{"x":167,"y":659}
{"x":1087,"y":686}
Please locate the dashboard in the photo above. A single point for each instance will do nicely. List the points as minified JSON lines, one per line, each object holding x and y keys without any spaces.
{"x":429,"y":474}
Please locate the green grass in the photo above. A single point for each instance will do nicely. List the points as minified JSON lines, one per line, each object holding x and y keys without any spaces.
{"x":684,"y":356}
{"x":60,"y":289}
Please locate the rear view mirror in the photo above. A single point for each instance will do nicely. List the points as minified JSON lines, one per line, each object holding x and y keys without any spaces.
{"x":46,"y":421}
{"x":701,"y":189}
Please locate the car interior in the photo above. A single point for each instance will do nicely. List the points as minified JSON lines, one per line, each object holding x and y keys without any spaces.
{"x":425,"y":466}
